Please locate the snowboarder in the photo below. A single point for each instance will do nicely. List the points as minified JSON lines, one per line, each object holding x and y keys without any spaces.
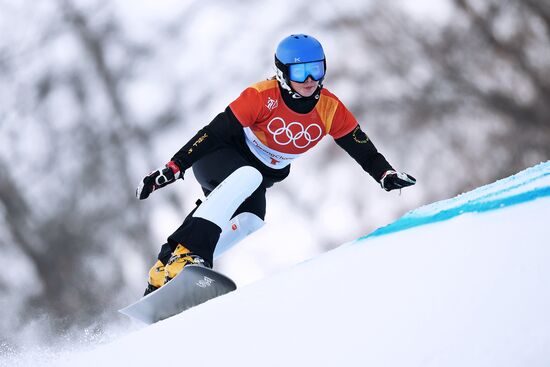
{"x":270,"y":124}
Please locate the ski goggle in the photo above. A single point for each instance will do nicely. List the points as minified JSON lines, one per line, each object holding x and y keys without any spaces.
{"x":300,"y":72}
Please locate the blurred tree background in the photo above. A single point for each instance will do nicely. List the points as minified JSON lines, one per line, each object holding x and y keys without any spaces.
{"x":94,"y":94}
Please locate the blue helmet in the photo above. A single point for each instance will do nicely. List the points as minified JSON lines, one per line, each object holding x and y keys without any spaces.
{"x":300,"y":49}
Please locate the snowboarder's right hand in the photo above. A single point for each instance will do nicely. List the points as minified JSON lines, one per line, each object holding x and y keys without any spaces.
{"x":157,"y":179}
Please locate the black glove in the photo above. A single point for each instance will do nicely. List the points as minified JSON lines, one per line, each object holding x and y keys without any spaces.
{"x":157,"y":179}
{"x":392,"y":180}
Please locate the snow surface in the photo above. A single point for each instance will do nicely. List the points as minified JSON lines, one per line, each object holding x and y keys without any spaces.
{"x":461,"y":282}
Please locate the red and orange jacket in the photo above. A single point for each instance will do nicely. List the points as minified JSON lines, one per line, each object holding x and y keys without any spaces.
{"x":276,"y":134}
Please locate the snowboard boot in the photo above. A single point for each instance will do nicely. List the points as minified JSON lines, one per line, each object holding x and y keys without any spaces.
{"x":156,"y":278}
{"x":181,"y":257}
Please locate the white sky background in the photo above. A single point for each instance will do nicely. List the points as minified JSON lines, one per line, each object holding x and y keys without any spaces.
{"x":437,"y":11}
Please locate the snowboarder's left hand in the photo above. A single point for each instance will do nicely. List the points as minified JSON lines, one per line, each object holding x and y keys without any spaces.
{"x":392,"y":180}
{"x":157,"y":179}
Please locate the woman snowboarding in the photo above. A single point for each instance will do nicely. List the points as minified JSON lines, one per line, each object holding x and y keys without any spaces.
{"x":249,"y":147}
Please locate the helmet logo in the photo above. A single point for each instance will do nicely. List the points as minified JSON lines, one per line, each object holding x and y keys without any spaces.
{"x":294,"y":133}
{"x":297,"y":59}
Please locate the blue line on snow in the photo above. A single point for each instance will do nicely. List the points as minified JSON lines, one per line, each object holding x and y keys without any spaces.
{"x":477,"y":205}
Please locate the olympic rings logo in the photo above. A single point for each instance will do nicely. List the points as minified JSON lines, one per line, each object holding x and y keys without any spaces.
{"x":294,"y":133}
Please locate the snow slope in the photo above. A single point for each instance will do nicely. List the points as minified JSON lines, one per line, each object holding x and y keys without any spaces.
{"x":462,"y":282}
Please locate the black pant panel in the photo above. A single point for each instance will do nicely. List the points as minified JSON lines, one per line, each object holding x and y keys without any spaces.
{"x":165,"y":253}
{"x":255,"y":204}
{"x":198,"y":235}
{"x":212,"y":169}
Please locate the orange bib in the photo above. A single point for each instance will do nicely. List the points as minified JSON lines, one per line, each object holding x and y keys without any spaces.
{"x":275,"y":134}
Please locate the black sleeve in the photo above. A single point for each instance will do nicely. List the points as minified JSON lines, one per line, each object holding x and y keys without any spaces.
{"x":360,"y":147}
{"x":223,"y":130}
